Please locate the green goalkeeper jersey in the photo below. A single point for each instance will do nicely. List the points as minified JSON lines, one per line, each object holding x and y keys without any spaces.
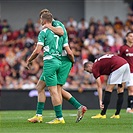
{"x":56,"y":23}
{"x":52,"y":44}
{"x":66,"y":63}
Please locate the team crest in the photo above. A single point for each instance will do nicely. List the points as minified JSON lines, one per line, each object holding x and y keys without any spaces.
{"x":127,"y":50}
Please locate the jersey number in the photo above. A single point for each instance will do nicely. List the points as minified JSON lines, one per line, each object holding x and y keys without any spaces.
{"x":57,"y":39}
{"x":105,"y":56}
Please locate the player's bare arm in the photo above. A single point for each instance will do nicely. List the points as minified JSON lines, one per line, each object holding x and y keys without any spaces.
{"x":57,"y":30}
{"x":70,"y":54}
{"x":99,"y":89}
{"x":34,"y":54}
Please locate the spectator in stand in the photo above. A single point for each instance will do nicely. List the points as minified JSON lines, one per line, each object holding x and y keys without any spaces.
{"x":30,"y":33}
{"x":99,"y":23}
{"x":129,"y":20}
{"x":109,"y":32}
{"x":28,"y":25}
{"x":82,"y":29}
{"x":92,"y":30}
{"x":106,"y":47}
{"x":125,"y":30}
{"x":118,"y":39}
{"x":71,"y":22}
{"x":38,"y":27}
{"x":92,"y":21}
{"x":5,"y":25}
{"x":89,"y":40}
{"x":10,"y":56}
{"x":118,"y":24}
{"x":72,"y":33}
{"x":100,"y":30}
{"x":106,"y":22}
{"x":83,"y":24}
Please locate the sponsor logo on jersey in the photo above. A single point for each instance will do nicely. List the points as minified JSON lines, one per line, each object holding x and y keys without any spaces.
{"x":129,"y":54}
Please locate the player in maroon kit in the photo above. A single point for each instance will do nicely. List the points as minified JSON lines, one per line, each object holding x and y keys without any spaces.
{"x":118,"y":72}
{"x":126,"y":51}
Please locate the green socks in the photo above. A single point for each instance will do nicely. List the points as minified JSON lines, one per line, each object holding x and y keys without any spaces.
{"x":74,"y":102}
{"x":58,"y":111}
{"x":40,"y":107}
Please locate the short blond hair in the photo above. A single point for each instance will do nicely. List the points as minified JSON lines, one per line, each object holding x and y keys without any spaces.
{"x":47,"y":16}
{"x":43,"y":11}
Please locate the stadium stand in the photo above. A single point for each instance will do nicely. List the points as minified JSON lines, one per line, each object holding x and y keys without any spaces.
{"x":88,"y":40}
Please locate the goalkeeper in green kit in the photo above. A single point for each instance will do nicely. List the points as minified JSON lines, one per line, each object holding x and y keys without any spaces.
{"x":62,"y":76}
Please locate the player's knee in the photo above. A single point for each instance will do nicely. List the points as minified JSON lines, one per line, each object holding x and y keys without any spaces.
{"x":120,"y":90}
{"x":130,"y":90}
{"x":53,"y":92}
{"x":39,"y":88}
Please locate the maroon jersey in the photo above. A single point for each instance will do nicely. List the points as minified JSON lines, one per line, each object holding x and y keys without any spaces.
{"x":107,"y":64}
{"x":127,"y":53}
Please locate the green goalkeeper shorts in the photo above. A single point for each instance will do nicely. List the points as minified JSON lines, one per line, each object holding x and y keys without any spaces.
{"x":62,"y":73}
{"x":50,"y":69}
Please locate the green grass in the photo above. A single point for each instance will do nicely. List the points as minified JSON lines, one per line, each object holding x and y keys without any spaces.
{"x":16,"y":122}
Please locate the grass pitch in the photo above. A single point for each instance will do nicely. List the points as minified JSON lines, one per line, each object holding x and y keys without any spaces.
{"x":16,"y":122}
